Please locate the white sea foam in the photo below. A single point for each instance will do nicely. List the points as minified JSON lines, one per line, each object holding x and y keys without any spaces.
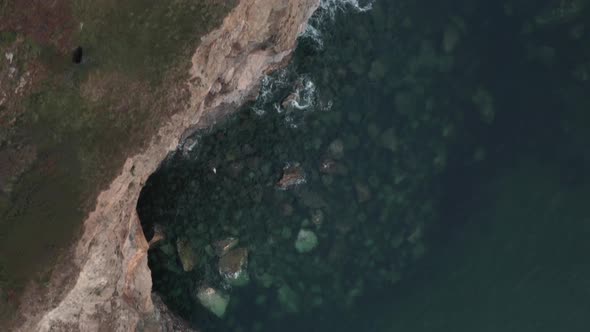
{"x":269,"y":87}
{"x":312,"y":33}
{"x":305,"y":96}
{"x":326,"y":14}
{"x":302,"y":99}
{"x":333,"y":6}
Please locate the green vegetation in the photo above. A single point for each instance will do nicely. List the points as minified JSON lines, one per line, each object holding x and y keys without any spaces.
{"x":82,"y":120}
{"x":143,"y":38}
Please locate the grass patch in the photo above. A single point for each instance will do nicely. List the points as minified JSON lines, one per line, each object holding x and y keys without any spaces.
{"x":85,"y":119}
{"x":143,"y":38}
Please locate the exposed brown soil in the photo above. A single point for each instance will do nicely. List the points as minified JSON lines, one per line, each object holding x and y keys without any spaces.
{"x":47,"y":22}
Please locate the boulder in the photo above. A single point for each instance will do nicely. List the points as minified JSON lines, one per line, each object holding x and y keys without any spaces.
{"x":233,"y":265}
{"x":363,"y":193}
{"x":293,"y":175}
{"x":188,"y":258}
{"x":389,"y":140}
{"x":306,"y":241}
{"x":223,"y":246}
{"x":288,"y":299}
{"x":329,"y":166}
{"x":336,"y":149}
{"x":214,"y":300}
{"x":317,"y":217}
{"x":312,"y":200}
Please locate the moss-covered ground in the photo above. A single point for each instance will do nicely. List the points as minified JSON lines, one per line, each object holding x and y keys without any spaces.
{"x":78,"y":122}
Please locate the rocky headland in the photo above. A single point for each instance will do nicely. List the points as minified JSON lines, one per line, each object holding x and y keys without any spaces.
{"x":104,"y":284}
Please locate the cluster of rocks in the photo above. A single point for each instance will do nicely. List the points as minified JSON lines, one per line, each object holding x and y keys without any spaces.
{"x":285,"y":232}
{"x":324,"y":211}
{"x":339,"y":204}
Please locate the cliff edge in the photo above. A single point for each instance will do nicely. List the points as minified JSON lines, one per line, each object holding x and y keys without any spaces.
{"x":111,"y":290}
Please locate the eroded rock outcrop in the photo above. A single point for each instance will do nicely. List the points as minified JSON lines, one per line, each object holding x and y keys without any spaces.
{"x":112,"y":290}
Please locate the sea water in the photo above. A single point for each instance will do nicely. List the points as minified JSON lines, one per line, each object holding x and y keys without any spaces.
{"x":418,"y":166}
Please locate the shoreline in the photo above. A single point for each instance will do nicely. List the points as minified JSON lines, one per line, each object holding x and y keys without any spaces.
{"x":111,"y":284}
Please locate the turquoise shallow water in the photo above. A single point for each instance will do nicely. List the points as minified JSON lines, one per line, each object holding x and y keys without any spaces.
{"x":418,"y":167}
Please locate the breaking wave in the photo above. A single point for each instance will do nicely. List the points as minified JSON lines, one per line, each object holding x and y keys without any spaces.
{"x":331,"y":7}
{"x":271,"y":87}
{"x":326,"y":13}
{"x":295,"y":92}
{"x":291,"y":94}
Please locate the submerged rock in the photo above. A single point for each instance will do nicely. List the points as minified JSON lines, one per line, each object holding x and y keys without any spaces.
{"x":266,"y":280}
{"x":312,"y":200}
{"x":158,"y":236}
{"x":235,"y":169}
{"x":188,"y":258}
{"x":317,"y":218}
{"x":373,"y":130}
{"x":363,"y":193}
{"x":378,"y":70}
{"x":336,"y":149}
{"x":329,"y":166}
{"x":287,"y":209}
{"x":232,"y":267}
{"x":389,"y":140}
{"x":293,"y":175}
{"x":484,"y":101}
{"x":451,"y":38}
{"x":288,"y":299}
{"x":214,"y":300}
{"x":223,"y":246}
{"x":561,"y":11}
{"x":286,"y":232}
{"x":291,"y":102}
{"x":306,"y":241}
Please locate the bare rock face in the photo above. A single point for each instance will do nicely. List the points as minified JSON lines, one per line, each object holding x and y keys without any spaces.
{"x":232,"y":267}
{"x":112,"y":290}
{"x":188,"y":258}
{"x":223,"y":246}
{"x":293,"y":175}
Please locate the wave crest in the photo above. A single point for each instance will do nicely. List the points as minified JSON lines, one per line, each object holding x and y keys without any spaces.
{"x":326,"y":14}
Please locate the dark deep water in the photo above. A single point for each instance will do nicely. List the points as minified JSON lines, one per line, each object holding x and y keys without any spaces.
{"x":444,"y":147}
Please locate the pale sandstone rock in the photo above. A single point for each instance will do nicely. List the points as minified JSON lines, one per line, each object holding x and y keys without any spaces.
{"x":223,"y":246}
{"x":232,"y":267}
{"x":214,"y":300}
{"x":293,"y":175}
{"x":112,"y":290}
{"x":306,"y":241}
{"x":188,"y":257}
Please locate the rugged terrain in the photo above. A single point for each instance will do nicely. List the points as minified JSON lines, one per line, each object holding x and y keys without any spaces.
{"x":104,"y":282}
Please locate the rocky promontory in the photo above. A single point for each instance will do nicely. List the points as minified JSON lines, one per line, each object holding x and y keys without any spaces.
{"x":111,"y":285}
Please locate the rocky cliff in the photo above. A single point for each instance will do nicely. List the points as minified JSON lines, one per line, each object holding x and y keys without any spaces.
{"x":111,"y":290}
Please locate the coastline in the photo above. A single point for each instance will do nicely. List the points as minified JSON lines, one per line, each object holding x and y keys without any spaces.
{"x":111,"y":287}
